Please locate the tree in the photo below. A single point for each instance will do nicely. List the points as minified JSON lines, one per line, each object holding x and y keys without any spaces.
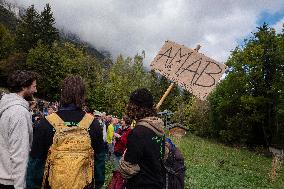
{"x":244,"y":105}
{"x":48,"y":33}
{"x":9,"y":60}
{"x":8,"y":19}
{"x":6,"y":42}
{"x":35,"y":27}
{"x":55,"y":63}
{"x":125,"y":76}
{"x":48,"y":64}
{"x":15,"y":61}
{"x":118,"y":85}
{"x":28,"y":32}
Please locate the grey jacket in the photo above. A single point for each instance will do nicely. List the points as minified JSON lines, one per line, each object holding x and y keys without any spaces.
{"x":15,"y":140}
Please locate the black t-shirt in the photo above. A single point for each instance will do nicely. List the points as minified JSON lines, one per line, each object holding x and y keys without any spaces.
{"x":144,"y":148}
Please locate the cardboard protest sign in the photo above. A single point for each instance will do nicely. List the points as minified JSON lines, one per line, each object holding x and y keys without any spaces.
{"x":191,"y":70}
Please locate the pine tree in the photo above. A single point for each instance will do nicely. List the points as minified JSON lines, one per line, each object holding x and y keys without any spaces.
{"x":28,"y":31}
{"x":48,"y":33}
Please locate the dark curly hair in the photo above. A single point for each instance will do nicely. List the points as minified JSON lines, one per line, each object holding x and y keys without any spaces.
{"x":20,"y":79}
{"x":136,"y":112}
{"x":73,"y":91}
{"x":140,"y":104}
{"x":127,"y":120}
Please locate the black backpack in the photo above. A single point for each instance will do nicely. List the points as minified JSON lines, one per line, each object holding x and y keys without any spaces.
{"x":173,"y":167}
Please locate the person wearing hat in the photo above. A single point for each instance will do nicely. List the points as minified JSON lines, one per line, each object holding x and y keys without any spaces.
{"x":98,"y":116}
{"x":97,"y":113}
{"x":141,"y":162}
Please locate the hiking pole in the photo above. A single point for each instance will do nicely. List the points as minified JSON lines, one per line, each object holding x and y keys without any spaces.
{"x":171,"y":86}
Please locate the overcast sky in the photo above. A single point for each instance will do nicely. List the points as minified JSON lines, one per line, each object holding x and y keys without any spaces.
{"x":129,"y":26}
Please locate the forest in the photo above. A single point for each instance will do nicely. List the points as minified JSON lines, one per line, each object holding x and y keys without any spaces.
{"x":246,"y":107}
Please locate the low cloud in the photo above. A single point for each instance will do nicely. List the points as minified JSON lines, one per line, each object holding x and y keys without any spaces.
{"x":279,"y":26}
{"x":128,"y":27}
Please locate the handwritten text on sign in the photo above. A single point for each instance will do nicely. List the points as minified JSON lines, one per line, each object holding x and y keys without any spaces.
{"x":193,"y":71}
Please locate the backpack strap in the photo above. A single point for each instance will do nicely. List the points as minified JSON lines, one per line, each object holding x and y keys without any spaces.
{"x":163,"y":161}
{"x":163,"y":147}
{"x":86,"y":121}
{"x":172,"y":145}
{"x":55,"y":121}
{"x":58,"y":123}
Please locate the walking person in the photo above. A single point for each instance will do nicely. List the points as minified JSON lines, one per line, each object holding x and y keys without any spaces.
{"x":120,"y":137}
{"x":109,"y":138}
{"x":68,"y":148}
{"x":141,"y":164}
{"x":16,"y":129}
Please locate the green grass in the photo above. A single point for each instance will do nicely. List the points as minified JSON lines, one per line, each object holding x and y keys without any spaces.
{"x":213,"y":165}
{"x":108,"y":174}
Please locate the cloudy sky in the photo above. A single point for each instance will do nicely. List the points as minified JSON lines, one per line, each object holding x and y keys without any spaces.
{"x":129,"y":26}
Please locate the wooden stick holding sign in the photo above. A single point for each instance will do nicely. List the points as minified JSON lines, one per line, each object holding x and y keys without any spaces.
{"x":164,"y":96}
{"x":188,"y":68}
{"x":171,"y":86}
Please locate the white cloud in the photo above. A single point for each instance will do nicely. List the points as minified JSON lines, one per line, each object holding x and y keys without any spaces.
{"x":279,"y":26}
{"x":128,"y":27}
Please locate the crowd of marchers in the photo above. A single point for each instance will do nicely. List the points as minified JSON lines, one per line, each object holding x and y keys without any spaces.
{"x":64,"y":145}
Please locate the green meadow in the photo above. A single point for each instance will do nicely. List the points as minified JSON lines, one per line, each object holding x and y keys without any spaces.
{"x":214,"y":165}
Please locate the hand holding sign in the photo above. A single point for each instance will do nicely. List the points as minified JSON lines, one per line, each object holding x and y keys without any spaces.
{"x":193,"y":71}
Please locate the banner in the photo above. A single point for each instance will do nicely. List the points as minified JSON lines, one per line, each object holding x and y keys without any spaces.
{"x":186,"y":67}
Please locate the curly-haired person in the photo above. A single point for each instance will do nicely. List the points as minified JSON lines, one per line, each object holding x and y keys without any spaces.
{"x":141,"y":163}
{"x":16,"y":129}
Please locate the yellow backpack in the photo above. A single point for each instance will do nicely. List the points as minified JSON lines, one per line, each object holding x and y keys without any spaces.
{"x":70,"y":160}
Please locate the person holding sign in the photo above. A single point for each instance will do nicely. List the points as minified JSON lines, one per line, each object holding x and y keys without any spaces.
{"x":141,"y":163}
